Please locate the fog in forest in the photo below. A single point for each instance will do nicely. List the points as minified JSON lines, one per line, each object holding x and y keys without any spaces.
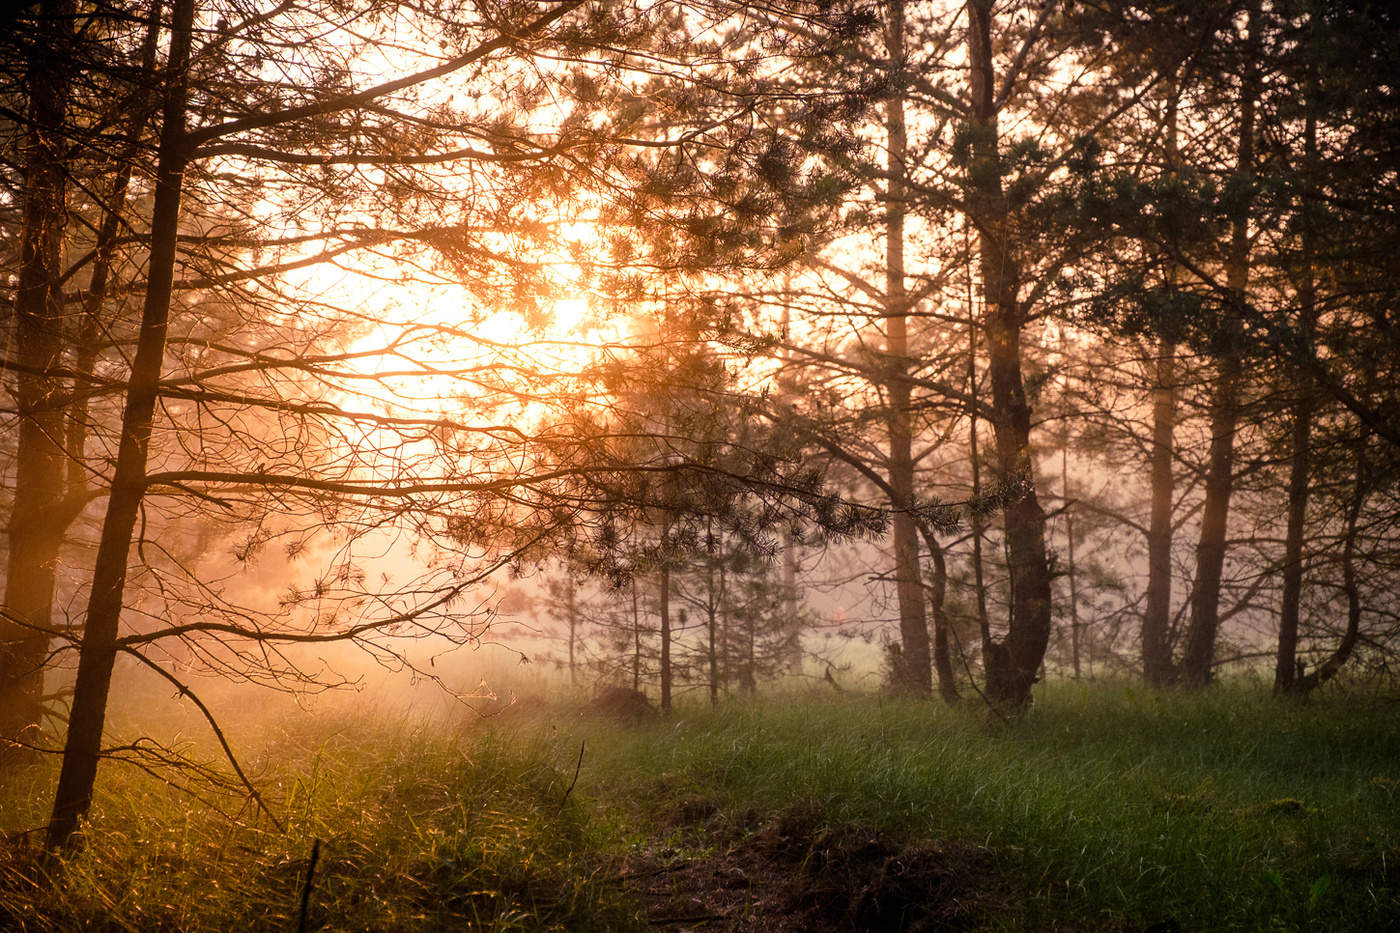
{"x":611,"y":405}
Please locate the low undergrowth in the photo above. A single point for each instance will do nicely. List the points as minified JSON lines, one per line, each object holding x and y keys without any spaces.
{"x":416,"y":828}
{"x":1103,"y":809}
{"x":1109,"y":808}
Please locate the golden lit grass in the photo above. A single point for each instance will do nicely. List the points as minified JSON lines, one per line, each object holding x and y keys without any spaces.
{"x":419,"y":828}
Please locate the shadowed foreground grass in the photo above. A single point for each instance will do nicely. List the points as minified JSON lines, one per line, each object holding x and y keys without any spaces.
{"x":1106,"y":808}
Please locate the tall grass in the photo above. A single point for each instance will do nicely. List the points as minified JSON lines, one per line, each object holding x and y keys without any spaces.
{"x":1114,"y":808}
{"x":1104,"y":808}
{"x":418,"y":827}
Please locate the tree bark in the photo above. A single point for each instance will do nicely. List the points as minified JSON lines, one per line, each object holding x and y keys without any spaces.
{"x":1299,"y":469}
{"x":914,"y":673}
{"x":1199,"y":655}
{"x":571,"y":609}
{"x":1300,"y":453}
{"x":1157,"y":666}
{"x":1069,"y":561}
{"x":1304,"y":684}
{"x":35,"y":534}
{"x":938,"y":592}
{"x":98,"y":649}
{"x":1012,"y":665}
{"x":665,"y":599}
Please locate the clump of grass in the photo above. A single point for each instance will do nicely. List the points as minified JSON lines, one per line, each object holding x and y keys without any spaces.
{"x":419,"y":828}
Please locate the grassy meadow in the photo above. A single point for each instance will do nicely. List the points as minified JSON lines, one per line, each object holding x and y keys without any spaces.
{"x":1105,"y":808}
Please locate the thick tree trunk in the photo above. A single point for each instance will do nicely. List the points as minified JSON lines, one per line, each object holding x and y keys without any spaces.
{"x":1199,"y":655}
{"x":1157,"y":666}
{"x":36,"y":532}
{"x":1014,"y":664}
{"x":99,"y":644}
{"x":914,"y":673}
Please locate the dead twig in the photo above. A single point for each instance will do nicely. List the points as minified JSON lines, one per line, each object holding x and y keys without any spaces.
{"x":577,"y":768}
{"x":306,"y":886}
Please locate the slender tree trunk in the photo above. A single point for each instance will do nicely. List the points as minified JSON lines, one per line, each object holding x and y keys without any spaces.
{"x":724,"y":627}
{"x":915,"y":673}
{"x":1300,"y":454}
{"x":1157,"y":667}
{"x":751,"y":657}
{"x":938,"y":592}
{"x":571,"y":608}
{"x":979,"y":580}
{"x":1306,"y":683}
{"x":90,"y":337}
{"x":1199,"y":655}
{"x":665,"y":597}
{"x":35,"y":533}
{"x":792,"y":616}
{"x":711,"y":615}
{"x":1069,"y":560}
{"x":1014,"y":664}
{"x":1299,"y":469}
{"x":636,"y":640}
{"x":712,"y":634}
{"x":99,"y":645}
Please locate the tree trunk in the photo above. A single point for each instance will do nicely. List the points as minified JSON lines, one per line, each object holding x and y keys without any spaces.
{"x":1199,"y":655}
{"x":1299,"y":468}
{"x":712,"y":619}
{"x":1157,"y":667}
{"x":35,"y":533}
{"x":665,"y":598}
{"x":1300,"y":454}
{"x":571,"y":608}
{"x":938,"y":591}
{"x":1014,"y":664}
{"x":914,"y":672}
{"x":1069,"y":562}
{"x":99,"y":644}
{"x":636,"y":640}
{"x":1305,"y":683}
{"x":792,"y":616}
{"x":979,"y":580}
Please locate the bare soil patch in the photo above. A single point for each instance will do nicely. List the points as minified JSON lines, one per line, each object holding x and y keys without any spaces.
{"x":794,"y":871}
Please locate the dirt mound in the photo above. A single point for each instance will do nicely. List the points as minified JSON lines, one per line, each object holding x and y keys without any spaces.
{"x":797,"y":873}
{"x":623,"y":703}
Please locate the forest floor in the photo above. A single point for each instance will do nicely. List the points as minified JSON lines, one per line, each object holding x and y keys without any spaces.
{"x":1105,"y":808}
{"x":796,"y":872}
